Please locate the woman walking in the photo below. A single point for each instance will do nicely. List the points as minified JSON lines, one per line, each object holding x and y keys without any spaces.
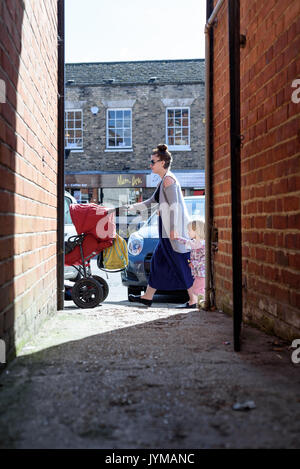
{"x":169,"y":268}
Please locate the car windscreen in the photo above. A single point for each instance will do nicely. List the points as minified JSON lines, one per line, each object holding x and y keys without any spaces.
{"x":196,"y":207}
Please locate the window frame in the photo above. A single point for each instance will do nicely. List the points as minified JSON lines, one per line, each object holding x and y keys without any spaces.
{"x":74,"y":148}
{"x":123,"y":147}
{"x":179,"y":147}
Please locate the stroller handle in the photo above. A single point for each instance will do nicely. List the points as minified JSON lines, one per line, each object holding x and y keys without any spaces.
{"x":116,"y":209}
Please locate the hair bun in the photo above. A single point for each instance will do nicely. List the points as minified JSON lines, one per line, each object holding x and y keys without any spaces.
{"x":162,"y":147}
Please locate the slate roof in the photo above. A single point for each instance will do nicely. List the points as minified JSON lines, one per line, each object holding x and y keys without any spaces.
{"x":136,"y":73}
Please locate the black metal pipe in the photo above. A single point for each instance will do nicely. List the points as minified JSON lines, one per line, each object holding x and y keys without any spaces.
{"x":209,"y":54}
{"x":61,"y":154}
{"x":235,"y":160}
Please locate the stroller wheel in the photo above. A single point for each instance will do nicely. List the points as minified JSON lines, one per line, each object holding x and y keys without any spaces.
{"x":87,"y":293}
{"x":104,"y":285}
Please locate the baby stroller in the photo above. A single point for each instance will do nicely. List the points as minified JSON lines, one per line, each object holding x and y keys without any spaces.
{"x":96,"y":231}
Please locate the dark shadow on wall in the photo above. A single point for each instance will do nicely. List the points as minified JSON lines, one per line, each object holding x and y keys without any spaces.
{"x":11,"y":145}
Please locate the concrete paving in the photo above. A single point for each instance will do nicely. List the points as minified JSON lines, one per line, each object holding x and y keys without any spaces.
{"x":122,"y":376}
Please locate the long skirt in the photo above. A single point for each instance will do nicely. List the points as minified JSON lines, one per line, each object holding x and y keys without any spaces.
{"x":169,"y":270}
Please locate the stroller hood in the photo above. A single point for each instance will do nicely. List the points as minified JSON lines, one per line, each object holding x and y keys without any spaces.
{"x":98,"y":224}
{"x":93,"y":219}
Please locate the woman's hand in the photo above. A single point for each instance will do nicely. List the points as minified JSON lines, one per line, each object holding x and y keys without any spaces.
{"x":130,"y":208}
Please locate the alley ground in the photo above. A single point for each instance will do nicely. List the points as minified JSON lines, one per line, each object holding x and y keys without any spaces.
{"x":122,"y":376}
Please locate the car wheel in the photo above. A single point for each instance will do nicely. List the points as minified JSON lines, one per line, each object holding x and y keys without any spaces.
{"x":134,"y":291}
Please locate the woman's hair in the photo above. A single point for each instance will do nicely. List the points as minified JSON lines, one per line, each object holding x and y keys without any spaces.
{"x":163,"y":154}
{"x":198,"y":225}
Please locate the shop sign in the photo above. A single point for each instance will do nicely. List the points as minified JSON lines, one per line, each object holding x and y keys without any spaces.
{"x":129,"y":181}
{"x":105,"y":180}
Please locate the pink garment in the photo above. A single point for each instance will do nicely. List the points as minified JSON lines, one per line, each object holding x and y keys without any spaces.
{"x":197,"y":263}
{"x":199,"y":286}
{"x":197,"y":259}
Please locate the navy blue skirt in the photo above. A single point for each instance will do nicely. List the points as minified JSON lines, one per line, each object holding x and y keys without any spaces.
{"x":169,"y":270}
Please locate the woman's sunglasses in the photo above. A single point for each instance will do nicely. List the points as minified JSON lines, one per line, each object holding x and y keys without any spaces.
{"x":152,"y":162}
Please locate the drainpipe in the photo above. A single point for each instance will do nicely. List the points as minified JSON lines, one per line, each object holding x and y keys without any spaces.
{"x":235,"y":155}
{"x":211,"y":14}
{"x":61,"y":155}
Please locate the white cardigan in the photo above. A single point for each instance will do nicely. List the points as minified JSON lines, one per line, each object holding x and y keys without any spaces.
{"x":172,"y":210}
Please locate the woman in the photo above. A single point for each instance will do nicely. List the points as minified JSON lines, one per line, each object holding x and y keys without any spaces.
{"x":169,"y":268}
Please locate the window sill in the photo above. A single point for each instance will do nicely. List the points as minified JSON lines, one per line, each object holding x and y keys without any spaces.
{"x":73,"y":150}
{"x":118,"y":149}
{"x":179,"y":148}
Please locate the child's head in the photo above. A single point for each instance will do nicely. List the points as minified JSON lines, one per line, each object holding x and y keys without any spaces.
{"x":196,"y":228}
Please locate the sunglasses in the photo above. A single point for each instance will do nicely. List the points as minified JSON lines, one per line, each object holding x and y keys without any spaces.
{"x":152,"y":162}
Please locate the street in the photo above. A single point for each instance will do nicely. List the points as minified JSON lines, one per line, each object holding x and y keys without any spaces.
{"x":118,"y":292}
{"x":123,"y":376}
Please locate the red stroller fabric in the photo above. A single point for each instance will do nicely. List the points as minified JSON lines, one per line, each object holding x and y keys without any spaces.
{"x":99,"y":226}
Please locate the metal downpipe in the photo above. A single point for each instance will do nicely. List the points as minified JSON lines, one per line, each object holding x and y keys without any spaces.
{"x":61,"y":155}
{"x":235,"y":166}
{"x":207,"y":302}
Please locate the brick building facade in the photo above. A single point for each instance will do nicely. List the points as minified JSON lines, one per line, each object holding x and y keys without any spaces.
{"x":270,"y":171}
{"x":155,"y":101}
{"x":28,"y":166}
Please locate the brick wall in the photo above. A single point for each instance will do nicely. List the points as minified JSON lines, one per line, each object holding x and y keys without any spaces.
{"x":28,"y":167}
{"x":148,"y":126}
{"x":270,"y":167}
{"x":221,"y":165}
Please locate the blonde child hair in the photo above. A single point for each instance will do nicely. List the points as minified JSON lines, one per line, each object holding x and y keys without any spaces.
{"x":198,"y":225}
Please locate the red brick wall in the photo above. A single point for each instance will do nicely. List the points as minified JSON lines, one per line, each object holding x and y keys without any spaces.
{"x":221,"y":164}
{"x":28,"y":166}
{"x":270,"y":123}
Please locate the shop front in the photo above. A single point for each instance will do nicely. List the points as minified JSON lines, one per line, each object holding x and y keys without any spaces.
{"x":110,"y":188}
{"x":114,"y":189}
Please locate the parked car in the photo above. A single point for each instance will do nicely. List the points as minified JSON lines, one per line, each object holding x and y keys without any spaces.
{"x":70,"y":273}
{"x":141,"y":245}
{"x":126,"y":224}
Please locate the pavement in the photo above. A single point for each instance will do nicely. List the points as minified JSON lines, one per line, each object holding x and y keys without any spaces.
{"x":121,"y":376}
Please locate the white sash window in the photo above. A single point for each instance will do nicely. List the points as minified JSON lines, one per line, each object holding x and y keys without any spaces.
{"x":73,"y":129}
{"x":118,"y":129}
{"x":178,"y":128}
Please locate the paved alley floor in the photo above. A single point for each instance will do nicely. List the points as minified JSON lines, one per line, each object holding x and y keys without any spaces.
{"x":121,"y":376}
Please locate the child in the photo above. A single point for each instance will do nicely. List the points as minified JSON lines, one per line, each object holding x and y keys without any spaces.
{"x":197,"y":259}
